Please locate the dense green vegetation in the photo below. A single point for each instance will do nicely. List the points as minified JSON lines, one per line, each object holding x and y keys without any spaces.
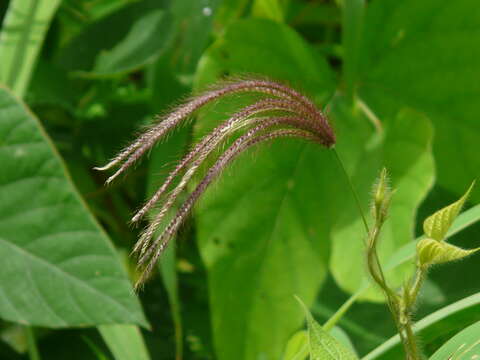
{"x":79,"y":79}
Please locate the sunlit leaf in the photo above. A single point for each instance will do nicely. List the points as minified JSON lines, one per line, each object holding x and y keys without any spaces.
{"x":432,"y":252}
{"x":437,"y":225}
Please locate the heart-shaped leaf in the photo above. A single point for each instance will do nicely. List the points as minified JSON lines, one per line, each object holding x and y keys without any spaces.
{"x":257,"y":234}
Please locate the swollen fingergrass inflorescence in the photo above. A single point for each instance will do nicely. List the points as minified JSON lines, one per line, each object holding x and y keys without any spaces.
{"x":279,"y":112}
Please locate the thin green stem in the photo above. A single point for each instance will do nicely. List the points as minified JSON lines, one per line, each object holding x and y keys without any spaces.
{"x":335,"y":318}
{"x":32,"y":345}
{"x":357,"y":200}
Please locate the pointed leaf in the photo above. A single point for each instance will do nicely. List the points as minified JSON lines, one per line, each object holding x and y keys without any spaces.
{"x":58,"y":266}
{"x":432,"y":252}
{"x":437,"y":225}
{"x":124,"y":341}
{"x":149,"y":36}
{"x":429,"y":251}
{"x":324,"y":346}
{"x":451,"y":253}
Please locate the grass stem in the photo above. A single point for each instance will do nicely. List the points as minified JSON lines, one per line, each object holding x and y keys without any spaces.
{"x":355,"y":195}
{"x":33,"y":353}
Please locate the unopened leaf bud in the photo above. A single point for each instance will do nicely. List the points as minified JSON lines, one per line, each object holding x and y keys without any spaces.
{"x":381,"y":196}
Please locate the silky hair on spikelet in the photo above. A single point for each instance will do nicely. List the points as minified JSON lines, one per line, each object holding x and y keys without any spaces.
{"x":279,"y":112}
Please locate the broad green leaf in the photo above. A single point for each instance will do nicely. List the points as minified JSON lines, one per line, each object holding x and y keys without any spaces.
{"x":59,"y":268}
{"x":352,"y":21}
{"x":195,"y":20}
{"x":297,"y":346}
{"x":464,"y":345}
{"x":433,"y":327}
{"x":21,"y":38}
{"x":124,"y":341}
{"x":81,"y":52}
{"x":437,"y":225}
{"x":259,"y":238}
{"x":324,"y":346}
{"x":405,"y":150}
{"x":242,"y":50}
{"x":424,"y":55}
{"x":147,"y":38}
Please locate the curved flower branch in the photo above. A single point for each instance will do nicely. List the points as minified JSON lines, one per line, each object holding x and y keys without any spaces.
{"x":281,"y":112}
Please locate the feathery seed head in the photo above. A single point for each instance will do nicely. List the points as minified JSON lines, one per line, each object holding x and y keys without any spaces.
{"x":281,"y":112}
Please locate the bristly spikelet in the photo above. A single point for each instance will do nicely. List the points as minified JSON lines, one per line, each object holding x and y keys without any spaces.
{"x":295,"y":116}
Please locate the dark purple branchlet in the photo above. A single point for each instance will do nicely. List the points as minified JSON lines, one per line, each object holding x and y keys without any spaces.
{"x":279,"y":112}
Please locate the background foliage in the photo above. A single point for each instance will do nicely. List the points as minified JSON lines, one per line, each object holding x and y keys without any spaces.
{"x":399,"y":81}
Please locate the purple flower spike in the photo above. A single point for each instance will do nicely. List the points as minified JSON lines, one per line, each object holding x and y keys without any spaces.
{"x":281,"y":112}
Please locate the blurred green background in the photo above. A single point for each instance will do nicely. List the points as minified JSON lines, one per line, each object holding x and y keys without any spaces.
{"x":400,"y":83}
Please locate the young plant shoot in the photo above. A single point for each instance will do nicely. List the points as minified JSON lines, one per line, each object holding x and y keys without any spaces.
{"x":431,"y":250}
